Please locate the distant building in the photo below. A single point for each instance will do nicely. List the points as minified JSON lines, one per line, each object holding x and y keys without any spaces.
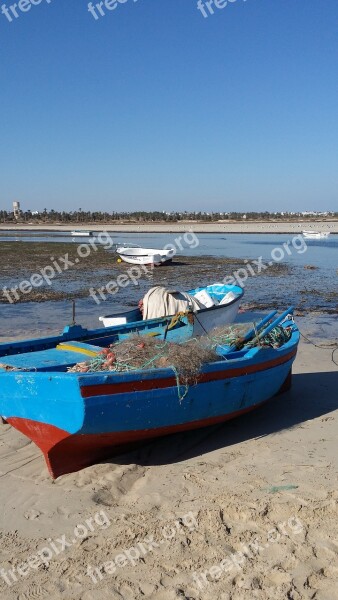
{"x":16,"y":210}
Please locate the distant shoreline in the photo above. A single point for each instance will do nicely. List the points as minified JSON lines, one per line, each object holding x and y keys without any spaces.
{"x":179,"y":227}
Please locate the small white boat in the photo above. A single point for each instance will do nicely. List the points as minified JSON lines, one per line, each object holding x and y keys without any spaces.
{"x":144,"y":256}
{"x":316,"y":235}
{"x":79,"y":233}
{"x":220,"y":304}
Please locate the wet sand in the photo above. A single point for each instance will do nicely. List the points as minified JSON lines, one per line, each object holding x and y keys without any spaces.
{"x":266,"y":482}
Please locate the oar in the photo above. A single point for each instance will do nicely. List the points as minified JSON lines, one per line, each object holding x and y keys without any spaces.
{"x":250,"y":334}
{"x":263,"y":333}
{"x":276,"y":322}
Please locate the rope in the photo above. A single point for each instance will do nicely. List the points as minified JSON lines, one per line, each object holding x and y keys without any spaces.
{"x":176,"y":319}
{"x":199,"y":322}
{"x":322,"y":347}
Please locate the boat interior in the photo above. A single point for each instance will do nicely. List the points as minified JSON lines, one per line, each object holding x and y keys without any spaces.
{"x":101,"y":338}
{"x":67,"y":354}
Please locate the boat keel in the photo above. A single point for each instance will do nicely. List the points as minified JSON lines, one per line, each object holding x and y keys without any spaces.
{"x":67,"y":453}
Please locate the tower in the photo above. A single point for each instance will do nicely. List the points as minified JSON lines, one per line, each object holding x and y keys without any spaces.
{"x":16,"y":210}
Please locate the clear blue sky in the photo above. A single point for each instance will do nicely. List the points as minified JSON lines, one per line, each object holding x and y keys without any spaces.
{"x":156,"y":107}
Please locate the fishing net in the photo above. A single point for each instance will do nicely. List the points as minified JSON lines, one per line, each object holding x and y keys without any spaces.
{"x":186,"y":359}
{"x":10,"y":368}
{"x":275,"y":339}
{"x":142,"y":352}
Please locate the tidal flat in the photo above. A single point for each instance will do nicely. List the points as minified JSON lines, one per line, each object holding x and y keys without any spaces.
{"x":47,"y":308}
{"x":20,"y":261}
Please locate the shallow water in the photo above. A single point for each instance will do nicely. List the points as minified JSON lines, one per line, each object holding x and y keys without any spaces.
{"x":320,"y":253}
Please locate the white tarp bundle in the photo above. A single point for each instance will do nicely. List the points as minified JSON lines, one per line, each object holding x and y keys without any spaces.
{"x":161,"y":302}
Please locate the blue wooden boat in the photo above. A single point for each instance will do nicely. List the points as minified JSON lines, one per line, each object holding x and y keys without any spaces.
{"x":206,"y":319}
{"x":78,"y":419}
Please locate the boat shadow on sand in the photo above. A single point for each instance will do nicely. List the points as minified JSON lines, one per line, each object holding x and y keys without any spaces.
{"x":312,"y":395}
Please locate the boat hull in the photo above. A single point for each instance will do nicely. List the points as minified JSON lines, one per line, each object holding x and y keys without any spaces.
{"x":66,"y":453}
{"x":208,"y":319}
{"x":81,"y":233}
{"x":90,"y":417}
{"x":316,"y":235}
{"x":145,"y":256}
{"x":154,"y":260}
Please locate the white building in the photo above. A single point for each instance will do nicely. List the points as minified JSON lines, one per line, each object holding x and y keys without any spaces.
{"x":16,"y":209}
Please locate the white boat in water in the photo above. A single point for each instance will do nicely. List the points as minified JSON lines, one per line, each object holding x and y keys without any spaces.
{"x":144,"y":256}
{"x":79,"y":233}
{"x":219,"y":306}
{"x":316,"y":235}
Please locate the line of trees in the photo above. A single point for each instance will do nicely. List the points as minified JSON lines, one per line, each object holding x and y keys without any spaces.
{"x":82,"y":216}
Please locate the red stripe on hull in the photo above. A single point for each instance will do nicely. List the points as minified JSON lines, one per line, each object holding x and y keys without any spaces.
{"x":153,"y":384}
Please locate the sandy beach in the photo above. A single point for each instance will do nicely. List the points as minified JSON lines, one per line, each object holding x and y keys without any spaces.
{"x":257,"y":496}
{"x":197,"y":227}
